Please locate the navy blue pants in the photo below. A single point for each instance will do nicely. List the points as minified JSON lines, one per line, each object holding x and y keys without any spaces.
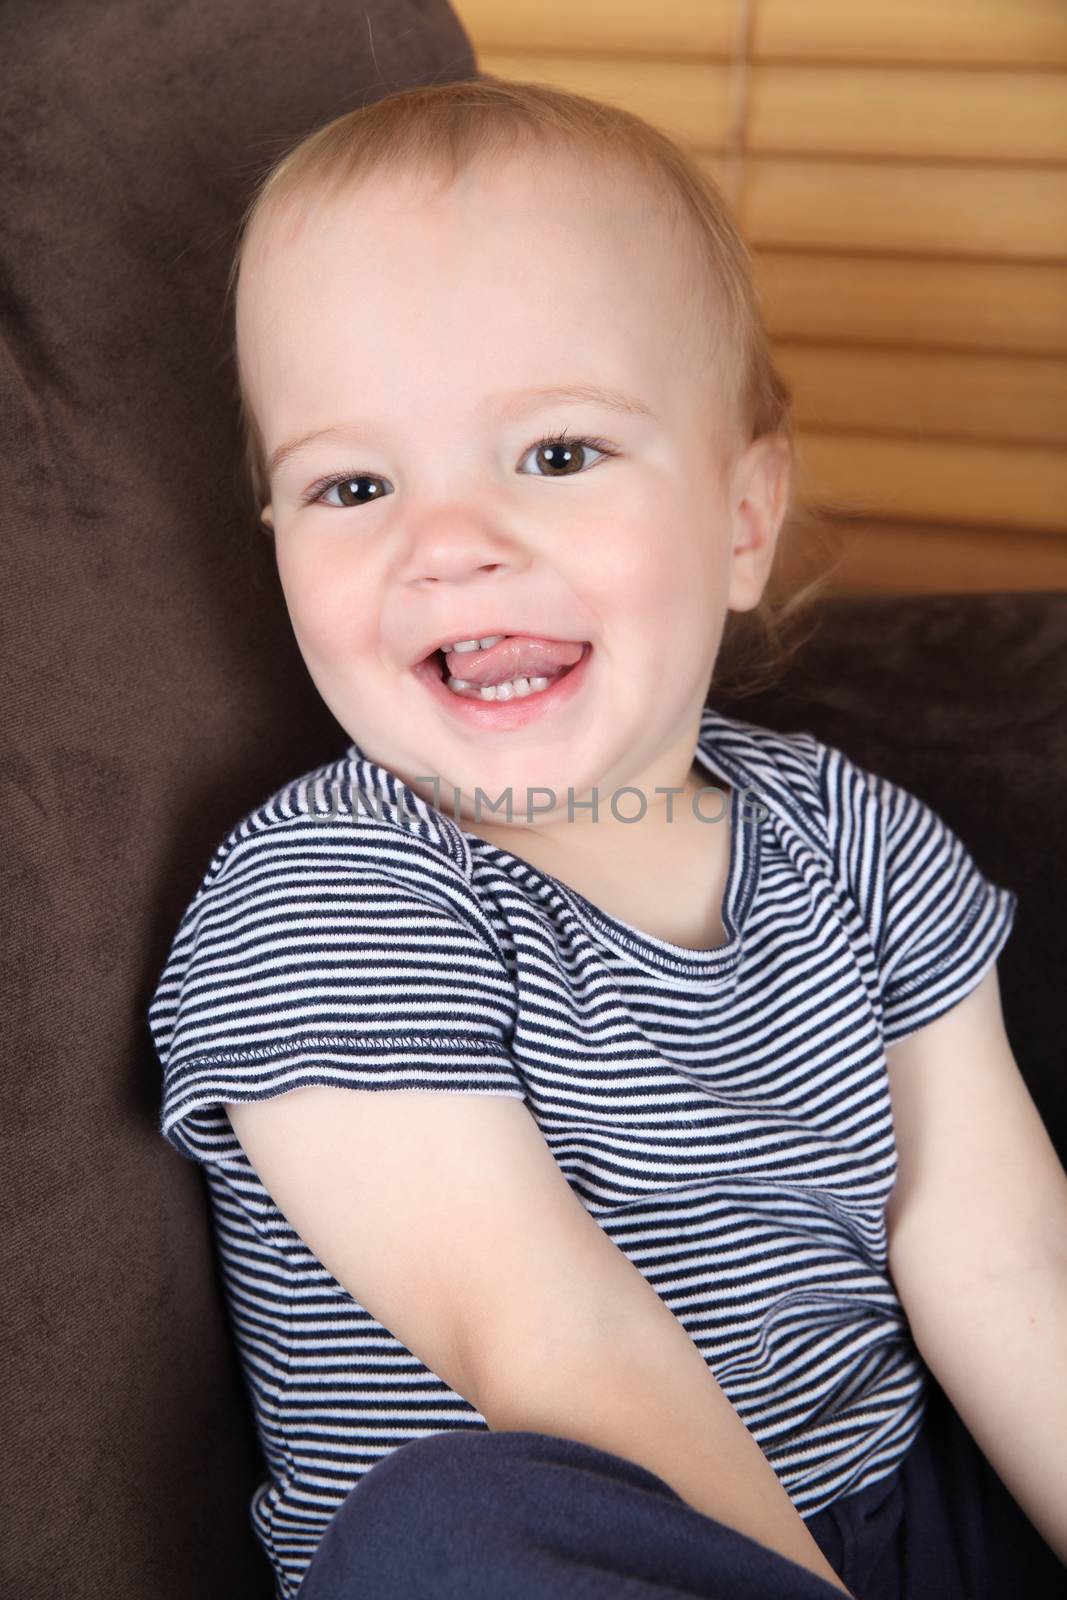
{"x":529,"y":1516}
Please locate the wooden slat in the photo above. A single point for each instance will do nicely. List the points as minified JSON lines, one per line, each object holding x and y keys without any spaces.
{"x":966,"y":304}
{"x":996,"y":32}
{"x":923,"y":558}
{"x":901,"y":209}
{"x":908,"y":219}
{"x":689,"y":100}
{"x":687,"y":27}
{"x":897,"y":112}
{"x":978,"y":485}
{"x":926,"y":393}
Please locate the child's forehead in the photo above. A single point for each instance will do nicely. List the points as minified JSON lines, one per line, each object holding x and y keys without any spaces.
{"x":611,"y":198}
{"x":661,"y":310}
{"x":501,"y":241}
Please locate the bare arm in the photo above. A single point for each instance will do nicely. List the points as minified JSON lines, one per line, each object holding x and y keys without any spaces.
{"x":447,"y":1216}
{"x":999,"y":1352}
{"x":646,"y":1394}
{"x":978,"y":1247}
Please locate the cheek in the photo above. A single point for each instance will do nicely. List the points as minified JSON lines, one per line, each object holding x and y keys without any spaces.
{"x":327,"y":603}
{"x":658,"y":592}
{"x":661,"y":563}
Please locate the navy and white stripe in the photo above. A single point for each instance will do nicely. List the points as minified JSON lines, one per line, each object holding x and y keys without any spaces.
{"x":723,"y":1114}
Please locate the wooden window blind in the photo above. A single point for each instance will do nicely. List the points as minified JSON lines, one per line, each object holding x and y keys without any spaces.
{"x":900,"y":172}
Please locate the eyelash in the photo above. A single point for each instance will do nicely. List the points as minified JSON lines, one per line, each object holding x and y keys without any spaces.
{"x":317,"y":490}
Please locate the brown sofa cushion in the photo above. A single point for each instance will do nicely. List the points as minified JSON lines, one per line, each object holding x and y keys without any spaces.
{"x":153,"y":692}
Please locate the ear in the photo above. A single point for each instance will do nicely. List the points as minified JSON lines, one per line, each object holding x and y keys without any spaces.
{"x":266,"y":517}
{"x":759,"y":495}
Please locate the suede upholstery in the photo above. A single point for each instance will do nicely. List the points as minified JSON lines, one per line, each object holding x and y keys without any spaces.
{"x":152,"y":685}
{"x":154,"y":693}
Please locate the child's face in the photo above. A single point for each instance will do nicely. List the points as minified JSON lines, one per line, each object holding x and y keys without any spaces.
{"x":401,"y":318}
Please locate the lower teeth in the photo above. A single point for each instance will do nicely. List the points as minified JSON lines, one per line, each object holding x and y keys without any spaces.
{"x":516,"y":688}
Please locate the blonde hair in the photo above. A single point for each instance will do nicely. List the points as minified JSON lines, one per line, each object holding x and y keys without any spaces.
{"x":439,"y":130}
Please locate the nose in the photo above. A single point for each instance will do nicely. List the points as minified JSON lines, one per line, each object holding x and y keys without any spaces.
{"x":452,"y":546}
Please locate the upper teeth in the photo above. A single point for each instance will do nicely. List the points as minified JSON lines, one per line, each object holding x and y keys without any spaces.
{"x":474,"y":644}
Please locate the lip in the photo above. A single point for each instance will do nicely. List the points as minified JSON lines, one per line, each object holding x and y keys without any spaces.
{"x":504,"y":715}
{"x":486,"y":633}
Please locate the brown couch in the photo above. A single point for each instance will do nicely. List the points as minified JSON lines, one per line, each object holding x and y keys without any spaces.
{"x":154,"y":693}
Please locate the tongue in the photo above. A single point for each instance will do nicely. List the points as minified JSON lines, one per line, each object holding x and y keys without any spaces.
{"x":517,"y":657}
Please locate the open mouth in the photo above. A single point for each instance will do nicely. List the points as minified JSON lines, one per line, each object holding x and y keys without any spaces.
{"x":505,"y":705}
{"x":516,"y":688}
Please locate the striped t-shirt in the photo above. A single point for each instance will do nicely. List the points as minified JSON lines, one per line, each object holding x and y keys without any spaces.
{"x":723,"y":1114}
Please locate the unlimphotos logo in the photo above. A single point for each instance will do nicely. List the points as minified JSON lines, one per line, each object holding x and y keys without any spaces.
{"x":319,"y":794}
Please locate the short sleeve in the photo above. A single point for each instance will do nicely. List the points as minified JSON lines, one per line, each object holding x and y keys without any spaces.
{"x":300,"y":963}
{"x":936,"y":922}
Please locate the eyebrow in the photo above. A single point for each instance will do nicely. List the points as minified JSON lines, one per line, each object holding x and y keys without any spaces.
{"x":508,"y":405}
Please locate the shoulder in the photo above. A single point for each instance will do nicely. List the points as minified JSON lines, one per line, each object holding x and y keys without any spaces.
{"x":349,"y":813}
{"x":355,"y":807}
{"x":346,"y":834}
{"x":868,"y":826}
{"x":794,"y":776}
{"x":312,"y":902}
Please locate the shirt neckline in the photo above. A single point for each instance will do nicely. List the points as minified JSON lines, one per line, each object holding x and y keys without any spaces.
{"x":716,"y":965}
{"x":644,"y":949}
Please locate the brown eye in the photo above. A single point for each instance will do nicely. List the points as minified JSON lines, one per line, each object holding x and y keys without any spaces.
{"x":565,"y":458}
{"x":349,"y":489}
